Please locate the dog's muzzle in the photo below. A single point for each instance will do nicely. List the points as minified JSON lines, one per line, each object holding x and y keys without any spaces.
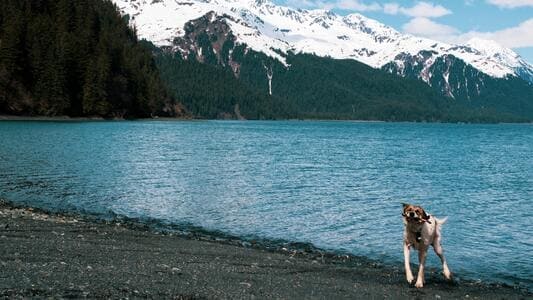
{"x":410,"y":215}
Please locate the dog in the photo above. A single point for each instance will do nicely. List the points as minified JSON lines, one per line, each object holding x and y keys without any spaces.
{"x":421,"y":231}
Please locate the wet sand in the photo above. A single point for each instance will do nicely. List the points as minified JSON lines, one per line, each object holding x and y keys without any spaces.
{"x":66,"y":256}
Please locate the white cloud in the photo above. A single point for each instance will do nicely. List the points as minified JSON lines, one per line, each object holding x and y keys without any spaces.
{"x":511,"y":3}
{"x":391,"y":8}
{"x":427,"y":28}
{"x":422,"y":10}
{"x":339,"y":4}
{"x":307,"y":4}
{"x":357,"y":5}
{"x":520,"y":36}
{"x":300,"y":3}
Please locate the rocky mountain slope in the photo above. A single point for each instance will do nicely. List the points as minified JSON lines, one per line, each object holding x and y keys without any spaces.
{"x":259,"y":41}
{"x":276,"y":30}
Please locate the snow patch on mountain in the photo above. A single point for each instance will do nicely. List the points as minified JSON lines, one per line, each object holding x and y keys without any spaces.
{"x":266,"y":27}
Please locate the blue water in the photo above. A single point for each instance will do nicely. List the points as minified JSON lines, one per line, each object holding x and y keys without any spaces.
{"x":337,"y":185}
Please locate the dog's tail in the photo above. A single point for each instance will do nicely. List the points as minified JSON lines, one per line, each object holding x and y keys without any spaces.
{"x":441,"y":221}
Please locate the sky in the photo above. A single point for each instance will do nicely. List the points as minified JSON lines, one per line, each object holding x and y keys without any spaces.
{"x":508,"y":22}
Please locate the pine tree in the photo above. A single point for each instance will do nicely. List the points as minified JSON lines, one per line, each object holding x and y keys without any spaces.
{"x":12,"y":45}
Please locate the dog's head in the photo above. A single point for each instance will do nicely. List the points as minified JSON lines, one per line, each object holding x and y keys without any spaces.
{"x":414,"y":214}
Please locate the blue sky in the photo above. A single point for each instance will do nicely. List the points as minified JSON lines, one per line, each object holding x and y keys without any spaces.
{"x":508,"y":22}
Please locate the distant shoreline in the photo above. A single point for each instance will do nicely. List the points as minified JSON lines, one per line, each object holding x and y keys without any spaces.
{"x":67,"y":118}
{"x":43,"y":118}
{"x":79,"y":257}
{"x":101,"y":119}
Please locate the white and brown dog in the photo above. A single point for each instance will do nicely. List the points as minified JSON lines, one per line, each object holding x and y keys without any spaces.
{"x":421,"y":231}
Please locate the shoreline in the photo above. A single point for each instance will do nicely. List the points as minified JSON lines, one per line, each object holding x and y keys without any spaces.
{"x":69,"y":255}
{"x":101,"y":119}
{"x":82,"y":119}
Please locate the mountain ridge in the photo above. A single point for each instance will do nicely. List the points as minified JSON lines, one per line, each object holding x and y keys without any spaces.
{"x":312,"y":87}
{"x":229,"y":32}
{"x":276,"y":30}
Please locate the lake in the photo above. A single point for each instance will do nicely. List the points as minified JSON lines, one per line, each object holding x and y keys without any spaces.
{"x":337,"y":185}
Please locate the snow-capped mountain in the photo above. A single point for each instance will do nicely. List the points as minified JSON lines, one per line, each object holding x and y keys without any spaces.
{"x":276,"y":30}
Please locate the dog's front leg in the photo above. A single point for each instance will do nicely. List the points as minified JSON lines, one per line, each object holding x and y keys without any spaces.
{"x":422,"y":253}
{"x":408,"y":273}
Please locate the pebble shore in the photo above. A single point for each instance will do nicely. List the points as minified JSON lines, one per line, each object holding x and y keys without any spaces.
{"x":66,"y":256}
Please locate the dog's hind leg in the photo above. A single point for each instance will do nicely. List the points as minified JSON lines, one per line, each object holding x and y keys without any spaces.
{"x":408,"y":273}
{"x":438,"y":250}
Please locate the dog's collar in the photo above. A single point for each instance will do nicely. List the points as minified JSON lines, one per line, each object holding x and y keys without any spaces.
{"x":418,"y":234}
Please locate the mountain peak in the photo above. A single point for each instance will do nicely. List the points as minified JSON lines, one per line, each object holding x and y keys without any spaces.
{"x":503,"y":56}
{"x":355,"y":17}
{"x":487,"y":46}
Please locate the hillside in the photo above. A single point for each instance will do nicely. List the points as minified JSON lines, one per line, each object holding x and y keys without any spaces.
{"x":211,"y":92}
{"x":213,"y":70}
{"x":82,"y":58}
{"x":76,"y":58}
{"x":479,"y":80}
{"x":276,"y":30}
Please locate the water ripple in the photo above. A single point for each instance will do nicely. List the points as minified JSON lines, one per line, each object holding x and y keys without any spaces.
{"x":337,"y":185}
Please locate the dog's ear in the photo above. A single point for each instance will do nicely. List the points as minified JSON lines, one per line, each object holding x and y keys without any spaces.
{"x":404,"y":206}
{"x":425,"y":216}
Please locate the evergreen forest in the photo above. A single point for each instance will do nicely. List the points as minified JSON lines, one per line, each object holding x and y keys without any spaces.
{"x":76,"y":58}
{"x":82,"y":59}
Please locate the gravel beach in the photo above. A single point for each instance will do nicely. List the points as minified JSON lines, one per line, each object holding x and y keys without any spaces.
{"x":66,"y":256}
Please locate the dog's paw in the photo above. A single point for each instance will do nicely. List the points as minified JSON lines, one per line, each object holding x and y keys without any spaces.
{"x":410,"y":278}
{"x":419,"y":284}
{"x":448,"y":275}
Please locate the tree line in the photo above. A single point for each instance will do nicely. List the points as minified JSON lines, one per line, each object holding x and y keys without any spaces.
{"x":76,"y":58}
{"x":80,"y":58}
